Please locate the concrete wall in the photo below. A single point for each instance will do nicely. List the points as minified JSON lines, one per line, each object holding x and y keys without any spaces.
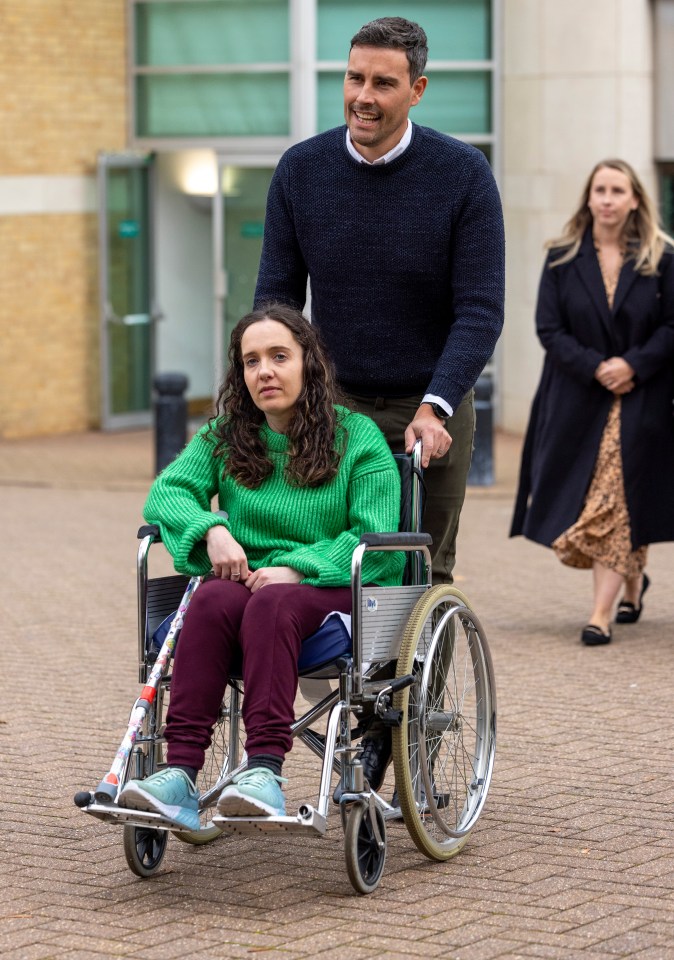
{"x":578,"y":86}
{"x":62,"y":99}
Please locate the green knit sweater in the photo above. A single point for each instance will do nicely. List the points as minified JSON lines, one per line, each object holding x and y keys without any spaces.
{"x":312,"y":529}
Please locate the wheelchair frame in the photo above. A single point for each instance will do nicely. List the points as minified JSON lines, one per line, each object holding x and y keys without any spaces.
{"x":441,"y":697}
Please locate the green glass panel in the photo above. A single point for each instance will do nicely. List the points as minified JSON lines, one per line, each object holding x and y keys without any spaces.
{"x":213,"y":106}
{"x":667,"y":200}
{"x":204,"y":32}
{"x":244,"y":201}
{"x":456,"y":29}
{"x":129,"y":293}
{"x":454,"y":102}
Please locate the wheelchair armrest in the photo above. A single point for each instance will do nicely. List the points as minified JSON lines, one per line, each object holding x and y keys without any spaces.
{"x":149,"y":530}
{"x":406,"y":541}
{"x":152,"y":530}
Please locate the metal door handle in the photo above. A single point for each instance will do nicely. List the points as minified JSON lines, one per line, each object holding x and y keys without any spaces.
{"x":133,"y":319}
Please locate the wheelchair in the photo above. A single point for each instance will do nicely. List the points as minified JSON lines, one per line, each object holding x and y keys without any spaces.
{"x":440,"y":704}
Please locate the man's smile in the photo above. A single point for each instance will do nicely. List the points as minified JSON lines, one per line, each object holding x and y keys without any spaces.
{"x":365,"y":117}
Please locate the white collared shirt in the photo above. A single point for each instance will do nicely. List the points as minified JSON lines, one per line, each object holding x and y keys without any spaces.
{"x":394,"y":152}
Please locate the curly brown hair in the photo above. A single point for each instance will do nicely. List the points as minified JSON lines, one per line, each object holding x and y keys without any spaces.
{"x":315,"y":436}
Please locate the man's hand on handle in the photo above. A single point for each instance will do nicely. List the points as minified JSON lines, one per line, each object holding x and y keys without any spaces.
{"x":431,"y":431}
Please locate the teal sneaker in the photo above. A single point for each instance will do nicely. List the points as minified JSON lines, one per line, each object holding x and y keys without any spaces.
{"x":253,"y":793}
{"x":169,"y":792}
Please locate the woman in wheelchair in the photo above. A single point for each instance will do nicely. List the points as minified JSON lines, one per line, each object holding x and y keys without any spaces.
{"x":298,"y":480}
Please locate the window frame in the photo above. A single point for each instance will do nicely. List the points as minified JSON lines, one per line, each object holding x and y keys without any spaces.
{"x":304,"y":70}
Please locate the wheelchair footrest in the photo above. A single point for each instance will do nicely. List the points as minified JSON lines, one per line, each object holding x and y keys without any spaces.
{"x":307,"y":819}
{"x":111,"y":813}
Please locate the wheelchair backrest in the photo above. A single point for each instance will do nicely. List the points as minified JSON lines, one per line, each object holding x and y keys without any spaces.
{"x":411,"y":492}
{"x":412,"y":496}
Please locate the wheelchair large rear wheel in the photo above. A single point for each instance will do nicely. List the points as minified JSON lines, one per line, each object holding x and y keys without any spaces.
{"x":223,"y":755}
{"x":443,"y":753}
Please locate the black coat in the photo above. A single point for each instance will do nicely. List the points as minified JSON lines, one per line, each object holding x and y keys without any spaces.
{"x":570,"y":409}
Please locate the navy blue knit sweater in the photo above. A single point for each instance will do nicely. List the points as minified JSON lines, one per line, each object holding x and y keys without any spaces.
{"x":406,"y":261}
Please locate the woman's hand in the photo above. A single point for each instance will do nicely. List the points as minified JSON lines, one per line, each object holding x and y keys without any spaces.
{"x":227,"y":556}
{"x":616,"y":375}
{"x":266,"y":575}
{"x":625,"y":388}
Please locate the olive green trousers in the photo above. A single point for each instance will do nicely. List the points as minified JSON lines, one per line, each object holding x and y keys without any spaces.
{"x":444,"y":479}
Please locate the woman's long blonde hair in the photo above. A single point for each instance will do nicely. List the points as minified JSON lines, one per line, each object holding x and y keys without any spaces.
{"x":645,"y":239}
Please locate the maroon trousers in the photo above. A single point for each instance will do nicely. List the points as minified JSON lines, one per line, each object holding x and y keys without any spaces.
{"x":225,"y":623}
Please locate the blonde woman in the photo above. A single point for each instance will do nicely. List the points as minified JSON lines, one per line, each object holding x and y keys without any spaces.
{"x":597,"y":473}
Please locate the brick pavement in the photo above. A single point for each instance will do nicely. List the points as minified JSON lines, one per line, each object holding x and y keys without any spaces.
{"x":572,"y":858}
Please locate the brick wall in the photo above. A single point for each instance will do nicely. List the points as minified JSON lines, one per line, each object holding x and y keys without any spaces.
{"x":62,"y":100}
{"x":50,"y":331}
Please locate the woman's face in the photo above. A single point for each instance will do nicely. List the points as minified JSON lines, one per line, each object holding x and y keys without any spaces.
{"x":611,"y":198}
{"x":273,"y":368}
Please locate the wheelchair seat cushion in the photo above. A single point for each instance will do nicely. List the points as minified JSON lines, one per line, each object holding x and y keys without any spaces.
{"x":161,"y":633}
{"x":331,"y":641}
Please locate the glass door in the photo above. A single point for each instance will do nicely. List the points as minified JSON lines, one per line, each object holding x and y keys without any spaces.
{"x":238,"y":223}
{"x":128,"y":314}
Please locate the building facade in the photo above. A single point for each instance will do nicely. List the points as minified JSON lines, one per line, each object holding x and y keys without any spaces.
{"x":140,"y":137}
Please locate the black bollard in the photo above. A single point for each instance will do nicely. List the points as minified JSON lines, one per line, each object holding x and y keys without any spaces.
{"x":170,"y":417}
{"x":481,"y":472}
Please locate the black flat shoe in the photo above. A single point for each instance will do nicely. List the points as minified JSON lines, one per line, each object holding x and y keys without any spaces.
{"x":375,"y":758}
{"x":593,"y":636}
{"x":627,"y":612}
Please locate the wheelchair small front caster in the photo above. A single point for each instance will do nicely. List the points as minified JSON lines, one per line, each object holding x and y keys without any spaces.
{"x":144,"y":849}
{"x":365,"y":851}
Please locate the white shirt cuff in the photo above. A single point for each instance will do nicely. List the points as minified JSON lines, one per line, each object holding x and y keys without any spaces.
{"x":431,"y":398}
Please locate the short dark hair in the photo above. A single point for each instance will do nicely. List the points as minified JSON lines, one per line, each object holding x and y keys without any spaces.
{"x":398,"y":33}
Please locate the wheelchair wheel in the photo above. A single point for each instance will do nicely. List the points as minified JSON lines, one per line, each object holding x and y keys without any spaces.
{"x":443,"y":753}
{"x":223,"y":755}
{"x":144,"y":849}
{"x":365,"y":855}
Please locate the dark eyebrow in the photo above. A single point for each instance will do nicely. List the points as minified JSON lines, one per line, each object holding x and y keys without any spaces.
{"x":253,"y":353}
{"x":355,"y":74}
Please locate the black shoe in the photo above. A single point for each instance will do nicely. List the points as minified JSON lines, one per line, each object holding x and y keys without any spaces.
{"x":593,"y":636}
{"x":375,"y":757}
{"x":627,"y":612}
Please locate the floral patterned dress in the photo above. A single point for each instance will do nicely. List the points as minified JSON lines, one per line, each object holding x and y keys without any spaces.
{"x":602,"y":531}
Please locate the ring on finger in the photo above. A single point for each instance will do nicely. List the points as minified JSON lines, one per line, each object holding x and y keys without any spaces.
{"x":234,"y":576}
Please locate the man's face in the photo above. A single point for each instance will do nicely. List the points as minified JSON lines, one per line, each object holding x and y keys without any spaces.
{"x":377,"y":98}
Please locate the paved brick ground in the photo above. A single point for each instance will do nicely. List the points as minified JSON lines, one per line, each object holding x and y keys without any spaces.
{"x":573,"y":857}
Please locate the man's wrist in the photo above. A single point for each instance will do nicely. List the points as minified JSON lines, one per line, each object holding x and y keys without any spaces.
{"x":444,"y":409}
{"x":437,"y":411}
